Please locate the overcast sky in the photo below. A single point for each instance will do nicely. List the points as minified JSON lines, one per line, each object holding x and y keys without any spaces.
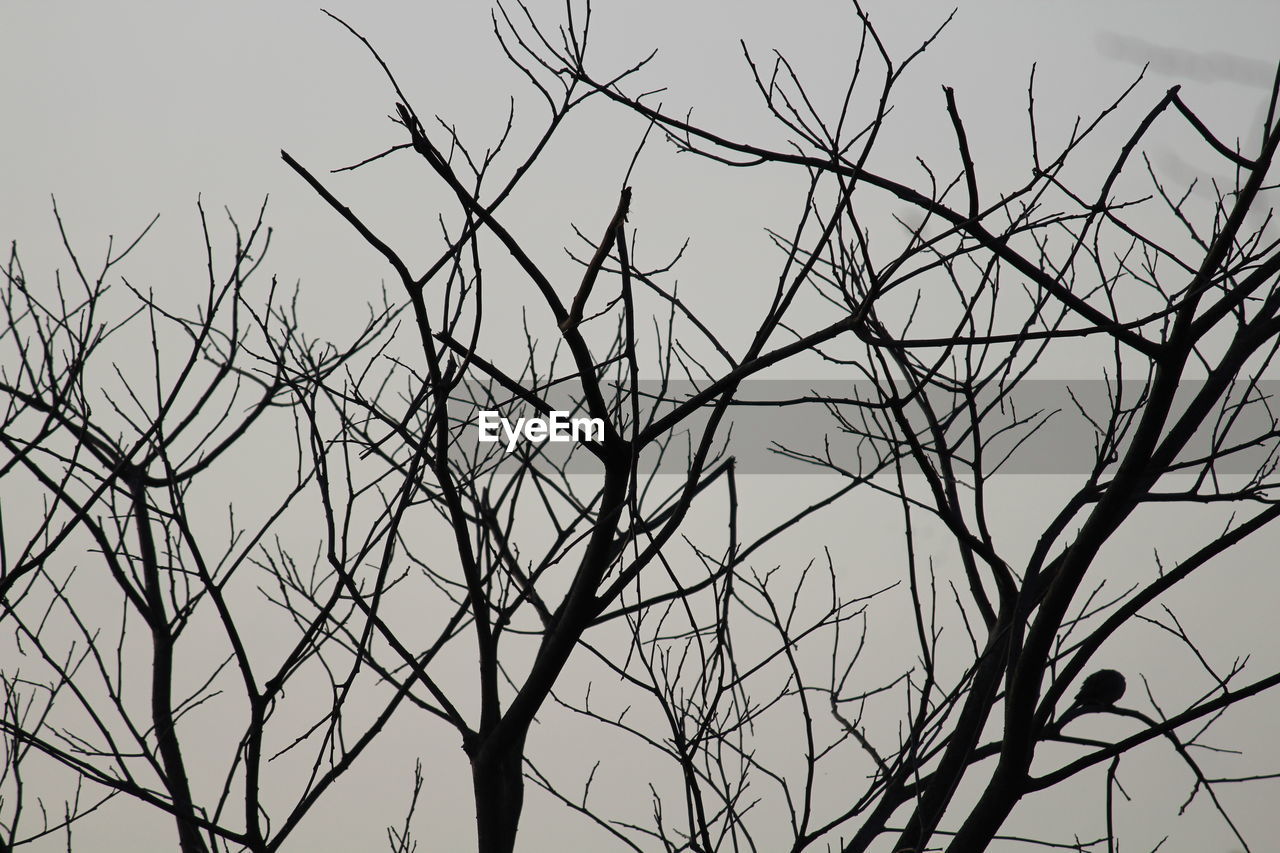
{"x":127,"y":109}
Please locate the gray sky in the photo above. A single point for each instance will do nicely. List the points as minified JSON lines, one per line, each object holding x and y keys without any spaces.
{"x":127,"y":109}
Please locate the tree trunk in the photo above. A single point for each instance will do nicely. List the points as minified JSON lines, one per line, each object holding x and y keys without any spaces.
{"x":498,"y":779}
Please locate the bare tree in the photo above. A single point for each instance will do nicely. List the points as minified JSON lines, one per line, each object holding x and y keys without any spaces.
{"x":547,"y":567}
{"x":944,"y":350}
